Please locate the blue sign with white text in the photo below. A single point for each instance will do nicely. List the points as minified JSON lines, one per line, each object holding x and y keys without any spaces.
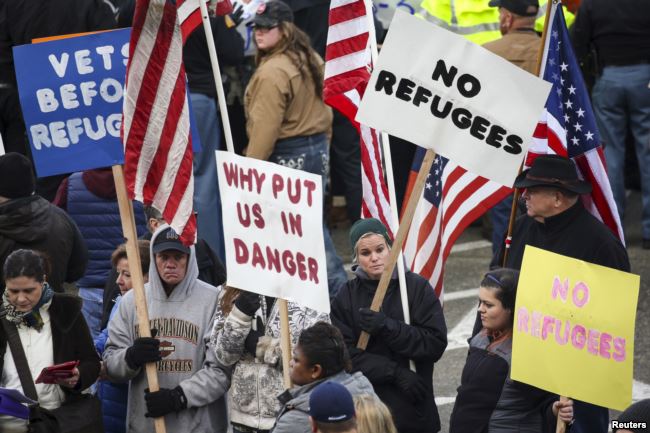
{"x":71,"y":92}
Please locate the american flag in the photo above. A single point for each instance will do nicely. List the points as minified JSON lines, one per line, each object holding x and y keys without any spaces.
{"x":568,"y":125}
{"x":156,"y":127}
{"x":346,"y":75}
{"x":452,"y":199}
{"x":189,"y":16}
{"x":189,"y":13}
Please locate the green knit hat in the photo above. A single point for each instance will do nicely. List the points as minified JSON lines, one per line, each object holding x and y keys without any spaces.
{"x":365,"y":226}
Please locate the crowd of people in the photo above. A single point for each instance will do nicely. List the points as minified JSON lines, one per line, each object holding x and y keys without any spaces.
{"x":70,"y":337}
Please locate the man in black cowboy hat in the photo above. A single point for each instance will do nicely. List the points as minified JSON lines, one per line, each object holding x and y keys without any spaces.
{"x":557,"y":221}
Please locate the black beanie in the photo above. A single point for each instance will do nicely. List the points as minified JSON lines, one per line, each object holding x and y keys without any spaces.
{"x":16,"y":176}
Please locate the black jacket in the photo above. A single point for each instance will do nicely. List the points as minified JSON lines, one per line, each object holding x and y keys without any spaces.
{"x":23,"y":20}
{"x":618,"y":30}
{"x":32,"y":222}
{"x":229,"y":45}
{"x":424,"y":341}
{"x":573,"y":233}
{"x":71,"y":340}
{"x":488,"y":400}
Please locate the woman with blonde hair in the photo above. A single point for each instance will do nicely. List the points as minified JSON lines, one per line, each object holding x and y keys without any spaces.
{"x":373,"y":415}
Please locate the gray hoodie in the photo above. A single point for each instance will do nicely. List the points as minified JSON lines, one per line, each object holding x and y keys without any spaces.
{"x":184,"y":321}
{"x":294,"y":415}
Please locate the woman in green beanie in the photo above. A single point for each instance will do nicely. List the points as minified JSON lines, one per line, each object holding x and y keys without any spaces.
{"x":385,"y":362}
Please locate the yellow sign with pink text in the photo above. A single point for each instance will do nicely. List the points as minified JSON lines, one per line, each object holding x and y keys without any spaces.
{"x":574,"y":328}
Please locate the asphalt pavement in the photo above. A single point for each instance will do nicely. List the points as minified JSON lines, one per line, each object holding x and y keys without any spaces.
{"x":465,"y":267}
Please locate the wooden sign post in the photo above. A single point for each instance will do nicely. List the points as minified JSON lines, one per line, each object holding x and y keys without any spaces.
{"x":285,"y":342}
{"x":135,"y":267}
{"x":429,"y":157}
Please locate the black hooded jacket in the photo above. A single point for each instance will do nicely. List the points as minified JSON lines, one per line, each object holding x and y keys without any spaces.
{"x":424,"y":341}
{"x":33,"y":223}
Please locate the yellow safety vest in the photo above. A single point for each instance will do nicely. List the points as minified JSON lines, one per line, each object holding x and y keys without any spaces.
{"x":541,"y":16}
{"x":473,"y":19}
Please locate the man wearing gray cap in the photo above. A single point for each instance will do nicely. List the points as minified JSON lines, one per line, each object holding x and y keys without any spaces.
{"x":181,"y":311}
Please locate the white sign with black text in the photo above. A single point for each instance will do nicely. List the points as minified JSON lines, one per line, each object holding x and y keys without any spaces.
{"x":448,"y":94}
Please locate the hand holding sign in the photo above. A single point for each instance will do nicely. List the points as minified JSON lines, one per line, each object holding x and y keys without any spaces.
{"x":574,"y":328}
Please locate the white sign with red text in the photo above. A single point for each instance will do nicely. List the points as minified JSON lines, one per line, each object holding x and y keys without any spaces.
{"x":273,"y":230}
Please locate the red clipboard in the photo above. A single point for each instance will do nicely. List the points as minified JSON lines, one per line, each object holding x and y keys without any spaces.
{"x":54,"y":373}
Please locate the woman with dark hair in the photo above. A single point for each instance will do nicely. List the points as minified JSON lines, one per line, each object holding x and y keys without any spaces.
{"x":52,"y":331}
{"x":320,"y":355}
{"x":488,"y":400}
{"x":385,"y":362}
{"x":286,"y":119}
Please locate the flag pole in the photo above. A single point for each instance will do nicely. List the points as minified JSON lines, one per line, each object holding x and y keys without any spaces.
{"x":517,"y":192}
{"x":285,"y":342}
{"x":285,"y":335}
{"x":407,"y":218}
{"x":390,"y":179}
{"x":135,"y":267}
{"x":216,"y":71}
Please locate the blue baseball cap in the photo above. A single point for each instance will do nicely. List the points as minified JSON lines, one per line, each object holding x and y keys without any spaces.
{"x":331,"y":402}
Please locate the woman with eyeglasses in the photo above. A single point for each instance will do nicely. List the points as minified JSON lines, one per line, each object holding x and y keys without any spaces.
{"x":385,"y":362}
{"x":286,"y":119}
{"x":51,"y":330}
{"x":488,"y":399}
{"x":319,"y":356}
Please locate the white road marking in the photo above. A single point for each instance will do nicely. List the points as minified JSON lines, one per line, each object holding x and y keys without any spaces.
{"x":445,"y":400}
{"x":472,"y":245}
{"x":640,"y":390}
{"x":457,"y":338}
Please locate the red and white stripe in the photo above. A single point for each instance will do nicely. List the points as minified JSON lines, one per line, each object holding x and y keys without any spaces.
{"x":347,"y":65}
{"x":156,"y":127}
{"x":465,"y":197}
{"x":189,"y":16}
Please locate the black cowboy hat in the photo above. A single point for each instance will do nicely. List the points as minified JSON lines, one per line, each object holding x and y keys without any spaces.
{"x":553,"y":171}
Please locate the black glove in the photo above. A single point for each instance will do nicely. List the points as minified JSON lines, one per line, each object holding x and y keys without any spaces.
{"x":250,"y":344}
{"x":248,"y":303}
{"x":164,"y":401}
{"x":371,"y":321}
{"x":237,"y":16}
{"x":143,"y":350}
{"x":410,"y":384}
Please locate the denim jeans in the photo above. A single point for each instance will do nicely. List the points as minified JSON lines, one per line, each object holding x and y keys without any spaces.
{"x":91,"y":308}
{"x":621,"y":100}
{"x":310,"y":154}
{"x":207,"y":201}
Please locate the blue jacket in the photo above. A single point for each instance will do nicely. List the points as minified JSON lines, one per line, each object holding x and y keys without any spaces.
{"x":98,"y":219}
{"x":114,"y":396}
